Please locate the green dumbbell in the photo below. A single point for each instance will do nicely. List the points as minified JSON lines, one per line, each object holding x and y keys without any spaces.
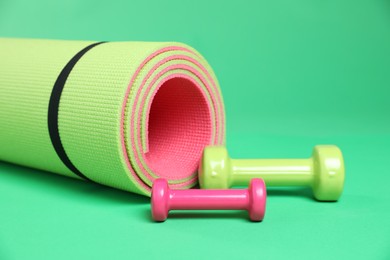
{"x":324,"y":171}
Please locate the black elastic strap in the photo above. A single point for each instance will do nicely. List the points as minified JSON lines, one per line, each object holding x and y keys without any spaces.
{"x":53,"y":110}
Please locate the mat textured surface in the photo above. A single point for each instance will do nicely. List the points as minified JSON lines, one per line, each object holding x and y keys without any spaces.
{"x":117,"y":113}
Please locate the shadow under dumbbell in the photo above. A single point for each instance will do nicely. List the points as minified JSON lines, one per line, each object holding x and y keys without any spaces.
{"x":303,"y":192}
{"x":210,"y":214}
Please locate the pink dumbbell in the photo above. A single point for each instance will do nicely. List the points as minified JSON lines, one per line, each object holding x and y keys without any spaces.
{"x":252,"y":199}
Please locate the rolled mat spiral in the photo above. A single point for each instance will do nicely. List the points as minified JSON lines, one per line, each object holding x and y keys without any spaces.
{"x":116,"y":113}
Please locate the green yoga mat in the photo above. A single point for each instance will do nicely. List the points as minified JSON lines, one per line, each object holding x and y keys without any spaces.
{"x":116,"y":113}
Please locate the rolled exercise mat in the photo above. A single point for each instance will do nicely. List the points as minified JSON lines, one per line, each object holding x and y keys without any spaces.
{"x":116,"y":113}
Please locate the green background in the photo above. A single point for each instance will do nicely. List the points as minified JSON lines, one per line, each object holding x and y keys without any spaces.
{"x":293,"y":73}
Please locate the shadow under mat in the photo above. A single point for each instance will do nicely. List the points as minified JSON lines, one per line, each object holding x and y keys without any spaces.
{"x":33,"y":177}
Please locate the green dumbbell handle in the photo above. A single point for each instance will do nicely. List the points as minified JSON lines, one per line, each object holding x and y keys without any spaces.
{"x":275,"y":172}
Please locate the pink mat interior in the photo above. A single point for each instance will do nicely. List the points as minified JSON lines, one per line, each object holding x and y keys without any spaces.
{"x":179,"y":127}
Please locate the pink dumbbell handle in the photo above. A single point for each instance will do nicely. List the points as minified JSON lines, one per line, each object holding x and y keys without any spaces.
{"x":209,"y":199}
